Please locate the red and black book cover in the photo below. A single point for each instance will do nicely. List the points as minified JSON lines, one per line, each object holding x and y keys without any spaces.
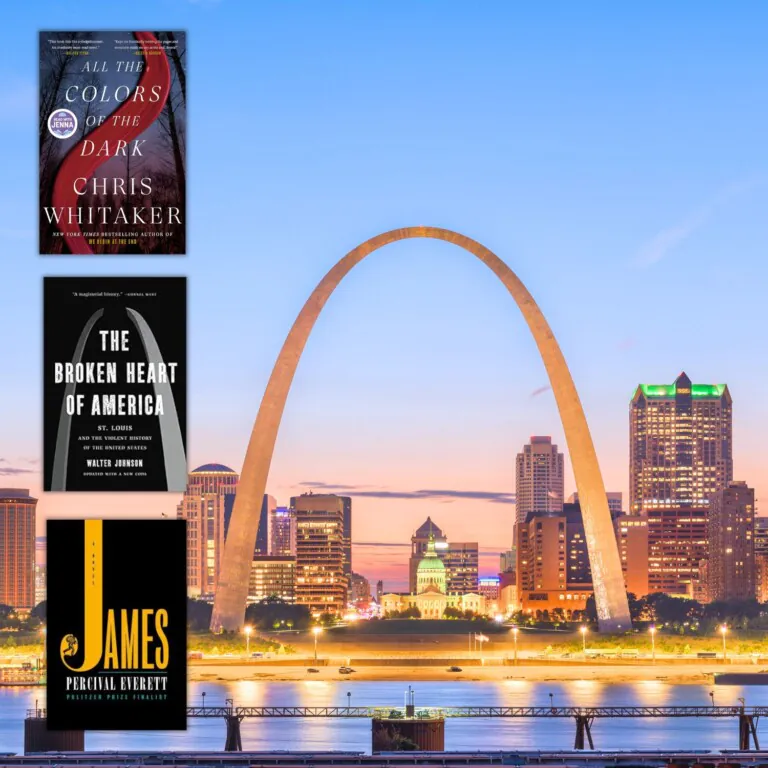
{"x":115,"y":383}
{"x":112,"y":123}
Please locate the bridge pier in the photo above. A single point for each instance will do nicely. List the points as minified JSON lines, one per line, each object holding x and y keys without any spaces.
{"x":748,"y":731}
{"x":583,"y":728}
{"x":234,"y":742}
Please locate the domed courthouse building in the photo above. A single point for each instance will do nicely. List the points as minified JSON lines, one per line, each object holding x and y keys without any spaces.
{"x":431,"y":596}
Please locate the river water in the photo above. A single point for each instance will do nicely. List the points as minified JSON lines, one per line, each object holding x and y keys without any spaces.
{"x":473,"y":734}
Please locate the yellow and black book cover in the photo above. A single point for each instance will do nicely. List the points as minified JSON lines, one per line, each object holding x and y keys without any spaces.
{"x":116,"y":637}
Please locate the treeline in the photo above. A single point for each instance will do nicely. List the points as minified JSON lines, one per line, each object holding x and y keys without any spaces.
{"x":11,"y":621}
{"x":667,"y":613}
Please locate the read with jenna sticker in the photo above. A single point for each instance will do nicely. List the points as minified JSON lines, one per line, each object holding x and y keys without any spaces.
{"x":112,"y":126}
{"x":116,"y":644}
{"x":114,"y":383}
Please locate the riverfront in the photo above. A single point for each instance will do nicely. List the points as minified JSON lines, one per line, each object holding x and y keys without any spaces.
{"x":322,"y":734}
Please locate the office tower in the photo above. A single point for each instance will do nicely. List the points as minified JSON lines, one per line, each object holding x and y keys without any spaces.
{"x":677,"y":544}
{"x":553,"y":571}
{"x":461,"y":560}
{"x":358,"y":590}
{"x":282,"y":531}
{"x":731,"y":529}
{"x":419,"y":542}
{"x":681,"y":444}
{"x":539,"y":483}
{"x":40,"y":570}
{"x":272,"y":576}
{"x":379,"y":590}
{"x":17,"y":548}
{"x":761,"y":559}
{"x":263,"y":534}
{"x":632,"y":538}
{"x":614,"y":501}
{"x":206,"y":506}
{"x":347,"y":502}
{"x":320,"y":581}
{"x":508,"y":561}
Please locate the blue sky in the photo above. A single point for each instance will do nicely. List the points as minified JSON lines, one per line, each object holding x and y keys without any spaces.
{"x":614,"y":157}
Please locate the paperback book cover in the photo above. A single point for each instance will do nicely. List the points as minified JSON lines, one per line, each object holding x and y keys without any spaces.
{"x":112,"y":125}
{"x":115,"y":383}
{"x":116,"y":646}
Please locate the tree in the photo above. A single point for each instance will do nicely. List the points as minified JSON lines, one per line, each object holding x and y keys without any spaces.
{"x":274,"y":613}
{"x":198,"y":614}
{"x":39,"y":611}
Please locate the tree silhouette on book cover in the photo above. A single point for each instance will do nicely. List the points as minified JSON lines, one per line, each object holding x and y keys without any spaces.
{"x":112,"y":127}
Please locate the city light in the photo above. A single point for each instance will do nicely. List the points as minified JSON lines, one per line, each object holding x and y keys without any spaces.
{"x":652,"y":630}
{"x":247,"y":629}
{"x":583,"y":630}
{"x":724,"y":632}
{"x":515,"y":630}
{"x":316,"y":632}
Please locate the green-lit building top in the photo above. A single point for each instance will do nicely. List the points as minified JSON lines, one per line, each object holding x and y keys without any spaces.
{"x":670,"y":390}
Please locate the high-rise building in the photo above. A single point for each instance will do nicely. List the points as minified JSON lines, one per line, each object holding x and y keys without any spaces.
{"x":321,"y":584}
{"x":632,"y":538}
{"x":508,"y":561}
{"x":379,"y":590}
{"x":681,"y":446}
{"x":731,"y":529}
{"x":347,"y":502}
{"x":206,"y":506}
{"x":358,"y":590}
{"x":677,"y":544}
{"x":761,"y":559}
{"x":419,"y":542}
{"x":17,"y":548}
{"x":282,"y":531}
{"x":40,"y":570}
{"x":263,"y":532}
{"x":553,"y":569}
{"x":272,"y":576}
{"x":539,"y":482}
{"x":614,"y":501}
{"x":461,"y":559}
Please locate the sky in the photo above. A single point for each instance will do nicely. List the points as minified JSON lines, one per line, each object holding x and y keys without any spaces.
{"x":615,"y":159}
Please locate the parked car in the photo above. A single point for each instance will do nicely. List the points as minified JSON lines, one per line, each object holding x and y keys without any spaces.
{"x":257,"y":655}
{"x":345,"y":670}
{"x":454,"y":669}
{"x":312,"y":669}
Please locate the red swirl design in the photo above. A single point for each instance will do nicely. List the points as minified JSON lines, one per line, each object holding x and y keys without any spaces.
{"x":156,"y":72}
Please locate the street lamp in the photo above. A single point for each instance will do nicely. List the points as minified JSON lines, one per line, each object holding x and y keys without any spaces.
{"x":349,"y":699}
{"x":652,"y":630}
{"x":247,"y":629}
{"x":712,"y":697}
{"x":316,"y":631}
{"x":203,"y":699}
{"x":481,"y":639}
{"x":583,"y":630}
{"x":723,"y":632}
{"x":515,"y":630}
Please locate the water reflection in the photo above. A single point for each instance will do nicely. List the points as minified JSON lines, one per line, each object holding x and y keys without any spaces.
{"x":470,"y":734}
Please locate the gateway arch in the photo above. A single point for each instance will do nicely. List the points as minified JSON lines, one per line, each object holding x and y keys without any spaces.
{"x":608,"y":581}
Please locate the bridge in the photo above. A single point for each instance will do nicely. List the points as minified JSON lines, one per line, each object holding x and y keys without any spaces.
{"x":584,"y":717}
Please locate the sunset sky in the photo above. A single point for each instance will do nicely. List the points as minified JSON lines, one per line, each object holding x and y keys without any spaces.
{"x":615,"y":159}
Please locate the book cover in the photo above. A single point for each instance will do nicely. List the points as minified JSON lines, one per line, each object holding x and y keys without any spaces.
{"x":116,"y":647}
{"x":114,"y":383}
{"x":112,"y":125}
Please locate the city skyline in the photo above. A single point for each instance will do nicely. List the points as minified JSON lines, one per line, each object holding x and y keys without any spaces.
{"x":554,"y":160}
